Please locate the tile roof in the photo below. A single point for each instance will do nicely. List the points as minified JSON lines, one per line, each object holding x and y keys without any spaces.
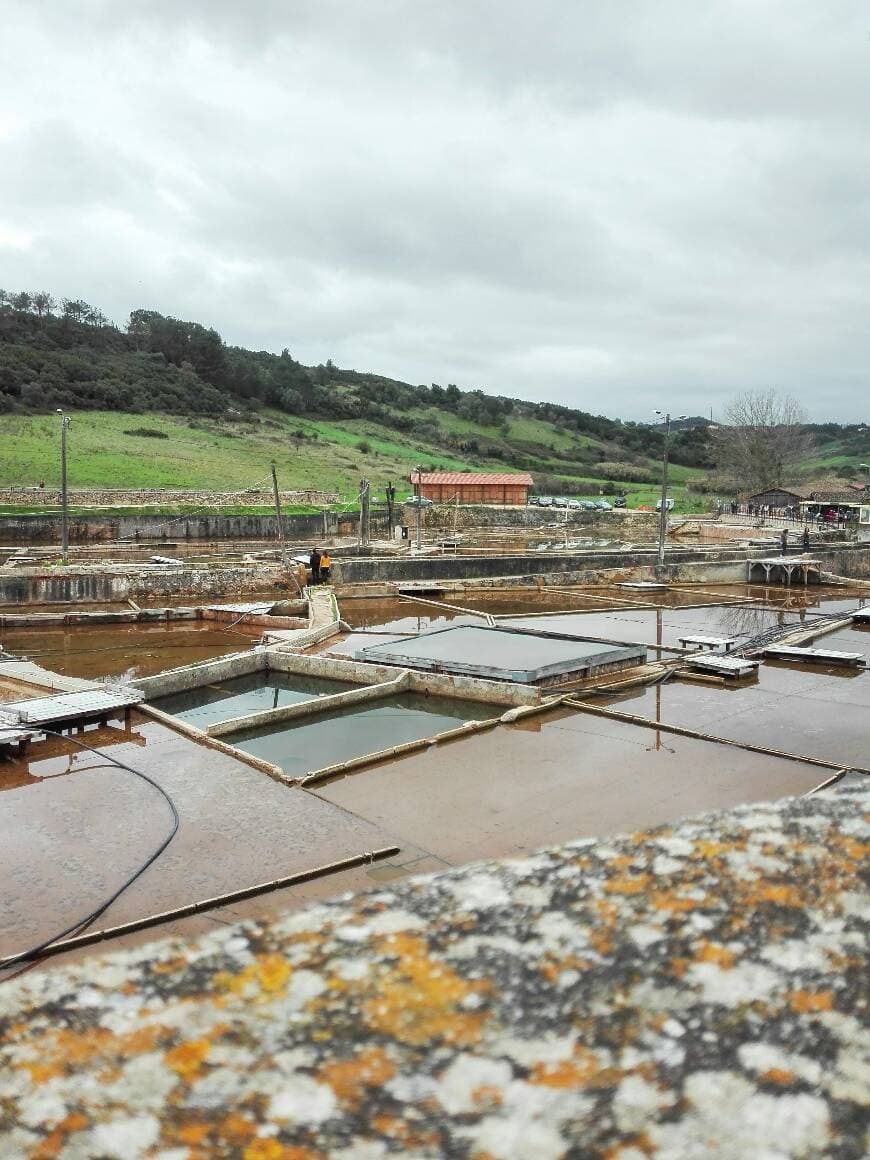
{"x":517,"y":479}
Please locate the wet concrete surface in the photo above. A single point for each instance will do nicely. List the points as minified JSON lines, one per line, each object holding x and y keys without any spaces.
{"x":254,"y":693}
{"x":368,"y":728}
{"x":95,"y":651}
{"x":559,"y":776}
{"x":74,"y":827}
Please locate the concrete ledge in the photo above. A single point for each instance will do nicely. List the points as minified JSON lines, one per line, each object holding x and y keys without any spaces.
{"x":188,"y":677}
{"x":274,"y":771}
{"x":440,"y":684}
{"x":315,"y":707}
{"x":329,"y":772}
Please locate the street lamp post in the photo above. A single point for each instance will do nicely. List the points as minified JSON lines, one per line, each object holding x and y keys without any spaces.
{"x":417,"y":507}
{"x":65,"y":421}
{"x":663,"y":514}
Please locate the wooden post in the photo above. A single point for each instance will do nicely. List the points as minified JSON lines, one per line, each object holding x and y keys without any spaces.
{"x":277,"y":495}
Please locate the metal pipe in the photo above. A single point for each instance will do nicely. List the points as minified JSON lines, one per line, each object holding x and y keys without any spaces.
{"x":204,"y":904}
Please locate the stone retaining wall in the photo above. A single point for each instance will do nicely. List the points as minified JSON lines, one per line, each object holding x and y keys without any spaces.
{"x":121,"y":496}
{"x":109,"y":585}
{"x":166,"y":530}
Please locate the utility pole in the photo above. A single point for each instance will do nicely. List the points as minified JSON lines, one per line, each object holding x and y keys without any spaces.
{"x":277,"y":495}
{"x":391,"y":499}
{"x":417,"y":507}
{"x":663,"y":514}
{"x":65,"y":421}
{"x":364,"y":526}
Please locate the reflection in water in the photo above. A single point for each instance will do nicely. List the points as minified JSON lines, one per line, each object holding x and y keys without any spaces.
{"x":347,"y":733}
{"x":253,"y":693}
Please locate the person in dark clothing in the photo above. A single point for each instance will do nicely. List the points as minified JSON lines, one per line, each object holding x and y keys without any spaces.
{"x":784,"y":541}
{"x":314,"y":564}
{"x":806,"y":539}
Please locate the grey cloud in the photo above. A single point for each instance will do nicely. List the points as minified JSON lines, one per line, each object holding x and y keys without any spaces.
{"x":615,"y":206}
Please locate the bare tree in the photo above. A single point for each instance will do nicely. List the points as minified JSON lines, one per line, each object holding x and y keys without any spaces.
{"x":763,"y":443}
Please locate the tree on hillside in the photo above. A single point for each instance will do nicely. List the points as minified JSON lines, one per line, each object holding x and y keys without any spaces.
{"x":43,"y":302}
{"x":764,"y":441}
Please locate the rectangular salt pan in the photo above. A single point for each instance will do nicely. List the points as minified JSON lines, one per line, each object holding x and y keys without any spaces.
{"x":504,"y":654}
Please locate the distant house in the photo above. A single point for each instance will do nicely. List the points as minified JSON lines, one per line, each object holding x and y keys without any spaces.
{"x":775,"y":497}
{"x":498,"y":488}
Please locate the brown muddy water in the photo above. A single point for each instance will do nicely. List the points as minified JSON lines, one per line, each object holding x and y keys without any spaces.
{"x":141,"y":650}
{"x":73,"y":826}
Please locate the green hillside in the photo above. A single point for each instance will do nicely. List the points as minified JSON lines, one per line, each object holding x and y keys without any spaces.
{"x":166,"y":403}
{"x":105,"y":451}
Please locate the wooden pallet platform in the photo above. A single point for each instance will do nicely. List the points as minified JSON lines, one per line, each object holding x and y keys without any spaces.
{"x":818,"y":656}
{"x":709,"y":643}
{"x":66,"y":709}
{"x":733,"y":667}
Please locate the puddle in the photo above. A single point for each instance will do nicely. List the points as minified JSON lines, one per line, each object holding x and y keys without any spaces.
{"x":253,"y":693}
{"x":346,"y":733}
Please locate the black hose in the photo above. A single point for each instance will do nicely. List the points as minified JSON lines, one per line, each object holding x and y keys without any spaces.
{"x":34,"y":952}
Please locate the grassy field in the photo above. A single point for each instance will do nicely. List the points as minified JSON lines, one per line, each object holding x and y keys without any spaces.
{"x":105,"y":450}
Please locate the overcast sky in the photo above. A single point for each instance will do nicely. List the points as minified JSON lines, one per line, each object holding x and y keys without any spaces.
{"x":618,"y":206}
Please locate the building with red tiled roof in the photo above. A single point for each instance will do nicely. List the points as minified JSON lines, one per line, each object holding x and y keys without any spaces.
{"x":489,"y":487}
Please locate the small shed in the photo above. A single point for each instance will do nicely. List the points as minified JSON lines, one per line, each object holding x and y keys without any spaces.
{"x":497,"y":488}
{"x":775,"y":497}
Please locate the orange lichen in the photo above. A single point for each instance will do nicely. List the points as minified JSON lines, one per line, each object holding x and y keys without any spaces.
{"x":141,"y":1040}
{"x":601,"y":941}
{"x":270,"y":974}
{"x":421,"y":997}
{"x":777,"y":1075}
{"x":486,"y":1096}
{"x":53,"y":1143}
{"x":268,"y":1148}
{"x":236,"y":1128}
{"x":668,"y":900}
{"x":187,"y":1059}
{"x":194,"y":1133}
{"x":782,"y":895}
{"x":348,"y":1078}
{"x":714,"y":953}
{"x":806,"y":1002}
{"x":627,"y":885}
{"x":708,"y":848}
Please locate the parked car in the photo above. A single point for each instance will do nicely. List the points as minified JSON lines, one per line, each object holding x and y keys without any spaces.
{"x":602,"y":505}
{"x":417,"y":500}
{"x":574,"y":504}
{"x":669,"y":504}
{"x":560,"y":501}
{"x":545,"y":501}
{"x":587,"y":505}
{"x":619,"y":501}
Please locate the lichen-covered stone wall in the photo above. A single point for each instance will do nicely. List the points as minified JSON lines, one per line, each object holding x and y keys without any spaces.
{"x":695,"y":991}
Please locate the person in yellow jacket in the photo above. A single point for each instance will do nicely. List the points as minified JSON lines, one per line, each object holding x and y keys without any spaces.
{"x":325,"y":563}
